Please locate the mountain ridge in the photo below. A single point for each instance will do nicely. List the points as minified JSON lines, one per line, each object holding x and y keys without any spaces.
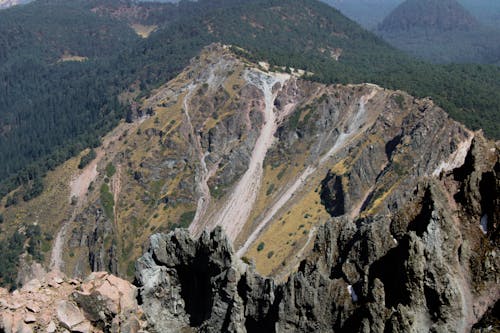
{"x":357,"y":180}
{"x":119,"y":65}
{"x":441,"y":16}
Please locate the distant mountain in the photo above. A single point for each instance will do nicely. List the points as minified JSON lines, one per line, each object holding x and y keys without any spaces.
{"x":368,"y":13}
{"x":9,"y":3}
{"x":441,"y":31}
{"x":437,"y":15}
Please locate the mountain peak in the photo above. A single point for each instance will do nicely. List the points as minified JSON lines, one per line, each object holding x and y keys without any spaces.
{"x":439,"y":15}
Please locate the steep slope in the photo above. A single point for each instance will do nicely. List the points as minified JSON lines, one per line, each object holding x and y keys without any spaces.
{"x":359,"y":207}
{"x":428,"y":265}
{"x":440,"y":31}
{"x":229,"y":144}
{"x":368,"y":13}
{"x":89,"y":52}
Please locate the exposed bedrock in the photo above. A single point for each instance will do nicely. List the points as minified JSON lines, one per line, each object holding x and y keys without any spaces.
{"x":426,"y":267}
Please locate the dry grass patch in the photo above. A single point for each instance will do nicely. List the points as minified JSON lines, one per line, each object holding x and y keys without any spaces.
{"x":287,"y":234}
{"x":143,"y":30}
{"x":69,"y":57}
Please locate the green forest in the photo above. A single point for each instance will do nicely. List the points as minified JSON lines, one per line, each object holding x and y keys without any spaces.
{"x":51,"y":110}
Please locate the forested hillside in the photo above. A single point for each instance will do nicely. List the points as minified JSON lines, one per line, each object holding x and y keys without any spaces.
{"x":65,"y":63}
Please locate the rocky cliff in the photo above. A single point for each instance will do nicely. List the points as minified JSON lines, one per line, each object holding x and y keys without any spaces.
{"x":428,"y":266}
{"x":308,"y":207}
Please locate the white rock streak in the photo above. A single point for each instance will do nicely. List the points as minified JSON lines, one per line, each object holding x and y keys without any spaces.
{"x":353,"y":128}
{"x":456,"y":159}
{"x":483,"y":223}
{"x":204,"y":174}
{"x":235,"y":212}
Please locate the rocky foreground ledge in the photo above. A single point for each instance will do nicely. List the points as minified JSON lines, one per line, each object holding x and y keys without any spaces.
{"x":100,"y":303}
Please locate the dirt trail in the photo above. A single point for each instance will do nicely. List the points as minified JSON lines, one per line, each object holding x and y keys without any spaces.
{"x":56,"y":261}
{"x":116,"y":186}
{"x":236,"y":211}
{"x":352,"y":129}
{"x":79,"y":187}
{"x":80,"y":184}
{"x":204,"y":174}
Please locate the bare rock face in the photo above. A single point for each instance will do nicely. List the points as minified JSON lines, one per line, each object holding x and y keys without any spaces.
{"x":430,"y":265}
{"x":200,"y":284}
{"x":54,"y":303}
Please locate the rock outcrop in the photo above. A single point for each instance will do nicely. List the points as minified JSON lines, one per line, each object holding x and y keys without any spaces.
{"x":429,"y":266}
{"x":54,"y":303}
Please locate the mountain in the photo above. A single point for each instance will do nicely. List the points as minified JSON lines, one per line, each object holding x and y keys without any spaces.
{"x":122,"y":119}
{"x":487,"y":11}
{"x":440,"y":16}
{"x":101,"y":55}
{"x":9,"y":3}
{"x":368,"y":13}
{"x":440,"y":31}
{"x":306,"y":206}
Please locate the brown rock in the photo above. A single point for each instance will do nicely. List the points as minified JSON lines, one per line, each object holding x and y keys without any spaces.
{"x":51,"y":328}
{"x":32,"y":286}
{"x":111,"y":296}
{"x":29,"y":318}
{"x":69,"y":314}
{"x":83,"y":327}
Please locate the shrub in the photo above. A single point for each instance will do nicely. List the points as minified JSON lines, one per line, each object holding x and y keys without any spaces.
{"x":86,"y":159}
{"x":110,"y":170}
{"x":107,"y":201}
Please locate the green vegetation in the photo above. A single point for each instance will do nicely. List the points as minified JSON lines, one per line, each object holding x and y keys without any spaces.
{"x":110,"y":170}
{"x":294,"y":119}
{"x":246,"y":260}
{"x":261,"y":246}
{"x":87,"y":158}
{"x":11,"y":248}
{"x":184,"y":221}
{"x":281,"y":173}
{"x":107,"y":201}
{"x":399,"y":99}
{"x":35,"y":243}
{"x":270,"y":189}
